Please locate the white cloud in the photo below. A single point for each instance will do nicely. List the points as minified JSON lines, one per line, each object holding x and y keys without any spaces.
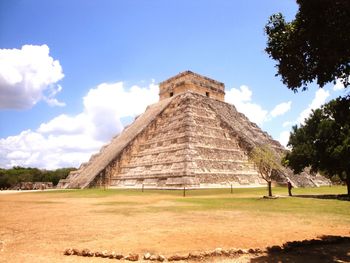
{"x":338,"y":85}
{"x":108,"y":103}
{"x":241,"y":98}
{"x":70,"y":140}
{"x":284,"y":138}
{"x":31,"y":148}
{"x":320,"y":98}
{"x":287,"y":124}
{"x":281,"y":109}
{"x":28,"y":75}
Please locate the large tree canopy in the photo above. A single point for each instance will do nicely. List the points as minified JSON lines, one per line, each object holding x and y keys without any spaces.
{"x":323,"y":142}
{"x":315,"y":46}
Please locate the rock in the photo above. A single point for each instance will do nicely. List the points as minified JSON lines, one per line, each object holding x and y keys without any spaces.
{"x":77,"y":252}
{"x":161,"y":258}
{"x":119,"y":256}
{"x":195,"y":255}
{"x":233,"y":252}
{"x":207,"y":253}
{"x":85,"y":252}
{"x":178,"y":257}
{"x":251,"y":251}
{"x":153,"y":257}
{"x":98,"y":254}
{"x":105,"y":254}
{"x":274,"y":249}
{"x":258,"y":251}
{"x":132,"y":257}
{"x":112,"y":255}
{"x":218,"y":251}
{"x":146,"y":256}
{"x":68,"y":252}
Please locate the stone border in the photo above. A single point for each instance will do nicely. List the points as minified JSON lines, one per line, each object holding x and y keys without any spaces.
{"x":160,"y":258}
{"x":198,"y":256}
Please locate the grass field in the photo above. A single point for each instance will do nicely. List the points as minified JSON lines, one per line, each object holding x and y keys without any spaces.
{"x":41,"y":225}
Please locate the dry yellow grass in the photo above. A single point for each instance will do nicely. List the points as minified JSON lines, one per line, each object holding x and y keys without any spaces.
{"x":38,"y":227}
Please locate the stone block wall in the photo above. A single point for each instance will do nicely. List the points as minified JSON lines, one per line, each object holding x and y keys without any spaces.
{"x":189,"y":81}
{"x":185,"y":145}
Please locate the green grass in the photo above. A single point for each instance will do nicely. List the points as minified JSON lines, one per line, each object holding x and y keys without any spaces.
{"x":279,"y":205}
{"x":242,"y":199}
{"x":237,"y":192}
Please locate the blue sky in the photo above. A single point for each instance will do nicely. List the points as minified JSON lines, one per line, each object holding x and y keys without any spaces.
{"x":74,"y":72}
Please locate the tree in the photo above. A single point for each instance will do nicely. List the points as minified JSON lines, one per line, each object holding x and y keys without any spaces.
{"x":11,"y":177}
{"x":266,"y":162}
{"x":323,"y":142}
{"x":315,"y":46}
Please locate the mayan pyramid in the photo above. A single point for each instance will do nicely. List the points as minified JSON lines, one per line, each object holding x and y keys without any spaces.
{"x":190,"y":138}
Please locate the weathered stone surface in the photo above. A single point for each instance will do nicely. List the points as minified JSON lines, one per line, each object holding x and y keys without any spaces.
{"x":153,"y":257}
{"x":196,"y":255}
{"x":132,"y":257}
{"x":274,"y":249}
{"x":105,"y":254}
{"x":191,"y":139}
{"x":189,"y":81}
{"x":146,"y":256}
{"x":225,"y":252}
{"x":217,"y":252}
{"x":98,"y":254}
{"x":161,"y":258}
{"x":112,"y":254}
{"x":77,"y":252}
{"x":119,"y":256}
{"x":68,"y":252}
{"x":85,"y":252}
{"x":178,"y":257}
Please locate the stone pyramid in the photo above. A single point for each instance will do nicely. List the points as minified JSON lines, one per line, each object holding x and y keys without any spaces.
{"x":190,"y":138}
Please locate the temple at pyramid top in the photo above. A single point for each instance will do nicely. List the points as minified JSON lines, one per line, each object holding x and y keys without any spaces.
{"x":190,"y":81}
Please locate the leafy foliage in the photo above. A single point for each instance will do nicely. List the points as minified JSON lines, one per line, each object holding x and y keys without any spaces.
{"x":323,"y":142}
{"x":266,"y":162}
{"x":10,"y":177}
{"x":314,"y":46}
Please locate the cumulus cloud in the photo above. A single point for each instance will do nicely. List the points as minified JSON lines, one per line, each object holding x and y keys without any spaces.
{"x":31,"y":148}
{"x":241,"y":98}
{"x":69,"y":140}
{"x":28,"y":75}
{"x":320,"y":98}
{"x":281,"y":109}
{"x":284,"y":138}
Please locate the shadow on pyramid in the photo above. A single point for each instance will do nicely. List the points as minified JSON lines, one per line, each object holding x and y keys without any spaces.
{"x":191,"y":138}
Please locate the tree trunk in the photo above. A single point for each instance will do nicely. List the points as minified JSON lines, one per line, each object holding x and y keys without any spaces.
{"x":347,"y":180}
{"x":269,"y":186}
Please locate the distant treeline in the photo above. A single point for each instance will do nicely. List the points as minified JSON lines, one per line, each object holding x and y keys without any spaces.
{"x":11,"y":177}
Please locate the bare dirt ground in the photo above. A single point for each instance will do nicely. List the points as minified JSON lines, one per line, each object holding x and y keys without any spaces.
{"x":38,"y":227}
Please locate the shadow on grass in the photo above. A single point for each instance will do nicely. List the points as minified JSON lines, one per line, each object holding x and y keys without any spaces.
{"x":324,"y":249}
{"x":335,"y":197}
